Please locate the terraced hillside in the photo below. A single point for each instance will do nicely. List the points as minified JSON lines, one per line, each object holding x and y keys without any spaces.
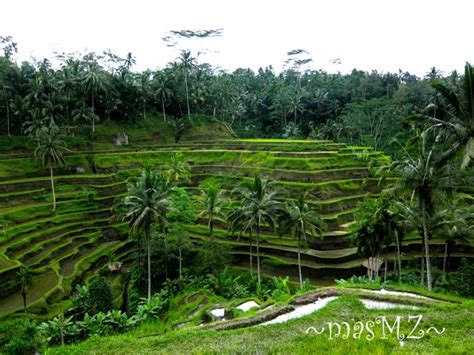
{"x":72,"y":245}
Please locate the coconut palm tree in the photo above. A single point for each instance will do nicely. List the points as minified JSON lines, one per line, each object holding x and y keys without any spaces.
{"x":300,"y":220}
{"x":52,"y":110}
{"x":454,"y":223}
{"x":177,"y":169}
{"x":147,"y":202}
{"x":369,"y":233}
{"x":93,"y":81}
{"x":259,"y":205}
{"x":239,"y":220}
{"x":143,"y":83}
{"x":187,"y":61}
{"x":179,"y":126}
{"x":456,"y":116}
{"x":211,"y":205}
{"x":66,"y":83}
{"x":18,"y":107}
{"x":50,"y":151}
{"x":84,"y":113}
{"x":295,"y":105}
{"x":34,"y":123}
{"x":420,"y":181}
{"x":24,"y":276}
{"x":163,"y":92}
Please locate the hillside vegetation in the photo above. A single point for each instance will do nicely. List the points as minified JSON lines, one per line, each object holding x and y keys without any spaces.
{"x":78,"y":241}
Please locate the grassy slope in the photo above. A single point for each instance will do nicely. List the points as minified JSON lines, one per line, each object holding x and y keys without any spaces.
{"x":291,"y":337}
{"x":33,"y":235}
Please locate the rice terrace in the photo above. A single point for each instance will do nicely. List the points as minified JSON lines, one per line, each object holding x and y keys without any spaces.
{"x":195,"y":209}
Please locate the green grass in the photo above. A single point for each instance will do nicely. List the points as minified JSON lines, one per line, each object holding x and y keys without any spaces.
{"x":291,"y":337}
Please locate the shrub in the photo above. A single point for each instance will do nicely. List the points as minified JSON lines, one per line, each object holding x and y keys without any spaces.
{"x":153,"y":308}
{"x":21,"y":338}
{"x":100,"y":297}
{"x":460,"y":282}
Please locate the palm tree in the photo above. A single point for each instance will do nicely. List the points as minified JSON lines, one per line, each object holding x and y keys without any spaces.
{"x":66,"y":83}
{"x":24,"y":276}
{"x":419,"y":179}
{"x":212,"y":206}
{"x":52,"y":110}
{"x":144,"y":88}
{"x":84,"y":113}
{"x":187,"y":62}
{"x":295,"y":105}
{"x":179,"y":126}
{"x":239,"y":220}
{"x":300,"y":220}
{"x":177,"y":169}
{"x":163,"y":92}
{"x":454,"y":223}
{"x":34,"y":123}
{"x":17,"y":105}
{"x":93,"y":81}
{"x":147,"y":202}
{"x":50,"y":151}
{"x":259,"y":205}
{"x":457,"y":117}
{"x":7,"y":106}
{"x":129,"y":61}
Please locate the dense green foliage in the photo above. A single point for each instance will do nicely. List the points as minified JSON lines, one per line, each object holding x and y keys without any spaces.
{"x":361,"y":107}
{"x":99,"y":296}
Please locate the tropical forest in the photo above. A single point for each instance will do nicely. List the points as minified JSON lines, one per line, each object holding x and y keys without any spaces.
{"x":193,"y":209}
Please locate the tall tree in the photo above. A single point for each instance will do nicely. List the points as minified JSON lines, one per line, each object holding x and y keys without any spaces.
{"x":177,"y":169}
{"x":163,"y":92}
{"x":259,"y":205}
{"x":144,"y":87}
{"x":147,"y":202}
{"x":455,"y":118}
{"x":86,"y":114}
{"x":300,"y":220}
{"x":50,"y":151}
{"x":93,"y":81}
{"x":24,"y":276}
{"x":212,"y":205}
{"x":419,"y":180}
{"x":187,"y":61}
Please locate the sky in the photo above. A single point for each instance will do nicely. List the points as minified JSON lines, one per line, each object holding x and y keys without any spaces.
{"x":383,"y":35}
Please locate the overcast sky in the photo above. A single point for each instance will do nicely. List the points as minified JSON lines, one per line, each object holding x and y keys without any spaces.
{"x":386,"y":35}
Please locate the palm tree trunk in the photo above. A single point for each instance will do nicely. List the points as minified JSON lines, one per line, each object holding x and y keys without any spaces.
{"x":211,"y":228}
{"x":385,"y":270}
{"x":397,"y":240}
{"x":144,"y":109}
{"x":448,"y":259}
{"x":180,"y":262}
{"x":8,"y":111}
{"x":148,"y":237}
{"x":187,"y":91}
{"x":299,"y":262}
{"x":52,"y":186}
{"x":61,"y":328}
{"x":258,"y":252}
{"x":139,"y":260}
{"x":163,"y":109}
{"x":23,"y":294}
{"x":251,"y":256}
{"x":422,"y":266}
{"x":426,"y":245}
{"x":445,"y":257}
